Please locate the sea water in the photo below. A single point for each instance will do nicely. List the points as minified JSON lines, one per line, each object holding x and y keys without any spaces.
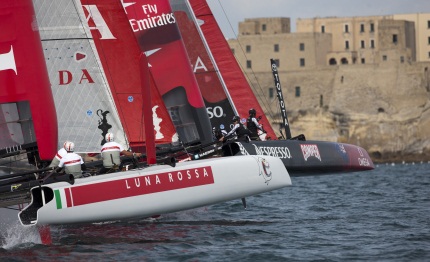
{"x":379,"y":215}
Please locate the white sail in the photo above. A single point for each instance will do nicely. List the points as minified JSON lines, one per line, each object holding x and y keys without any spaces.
{"x":85,"y":110}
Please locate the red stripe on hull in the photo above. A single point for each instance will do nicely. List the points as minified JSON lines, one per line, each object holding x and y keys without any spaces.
{"x":141,"y":185}
{"x":68,"y":197}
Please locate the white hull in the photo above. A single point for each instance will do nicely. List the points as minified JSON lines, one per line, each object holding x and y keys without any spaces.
{"x":155,"y":190}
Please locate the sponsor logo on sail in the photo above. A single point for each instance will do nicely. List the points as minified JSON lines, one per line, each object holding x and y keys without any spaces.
{"x":156,"y":121}
{"x":7,"y":61}
{"x":279,"y":93}
{"x":80,"y":56}
{"x":100,"y":24}
{"x":310,"y":150}
{"x":65,"y":77}
{"x":199,"y":65}
{"x":152,"y":20}
{"x":215,"y":111}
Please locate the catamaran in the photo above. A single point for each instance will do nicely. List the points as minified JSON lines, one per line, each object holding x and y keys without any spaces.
{"x":78,"y":67}
{"x":218,"y":73}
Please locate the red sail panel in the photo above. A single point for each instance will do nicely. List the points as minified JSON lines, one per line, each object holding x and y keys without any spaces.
{"x":219,"y":108}
{"x":155,"y":29}
{"x":237,"y":85}
{"x":23,"y":73}
{"x":119,"y":54}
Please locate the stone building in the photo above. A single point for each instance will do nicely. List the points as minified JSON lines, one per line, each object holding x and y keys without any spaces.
{"x":362,"y":80}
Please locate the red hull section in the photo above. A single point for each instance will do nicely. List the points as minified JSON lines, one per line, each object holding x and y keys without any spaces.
{"x":23,"y":73}
{"x":237,"y":85}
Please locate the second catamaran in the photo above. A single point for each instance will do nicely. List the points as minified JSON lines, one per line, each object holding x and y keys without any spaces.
{"x":209,"y":49}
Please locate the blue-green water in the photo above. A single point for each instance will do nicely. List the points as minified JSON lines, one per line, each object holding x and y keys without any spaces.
{"x":380,"y":215}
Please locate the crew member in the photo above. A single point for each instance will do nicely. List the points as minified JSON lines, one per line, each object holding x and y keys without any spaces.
{"x":253,"y":125}
{"x":239,"y":130}
{"x":71,"y":162}
{"x":218,"y":133}
{"x":60,"y":154}
{"x":111,"y":152}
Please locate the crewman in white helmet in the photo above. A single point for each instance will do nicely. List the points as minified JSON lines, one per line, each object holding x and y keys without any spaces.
{"x":71,"y":162}
{"x":111,"y":152}
{"x":60,"y":154}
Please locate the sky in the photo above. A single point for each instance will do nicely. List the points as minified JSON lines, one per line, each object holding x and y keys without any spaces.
{"x":229,"y":13}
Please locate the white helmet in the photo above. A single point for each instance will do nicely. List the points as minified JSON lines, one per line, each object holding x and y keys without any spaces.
{"x":64,"y":144}
{"x":69,"y":146}
{"x":109,"y":137}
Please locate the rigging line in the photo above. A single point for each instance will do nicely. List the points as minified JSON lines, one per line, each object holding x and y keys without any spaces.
{"x":262,"y":97}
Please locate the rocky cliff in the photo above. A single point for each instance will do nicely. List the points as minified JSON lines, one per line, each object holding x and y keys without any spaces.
{"x":383,"y":108}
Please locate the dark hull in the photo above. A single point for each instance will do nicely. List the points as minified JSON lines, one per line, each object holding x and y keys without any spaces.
{"x":302,"y":158}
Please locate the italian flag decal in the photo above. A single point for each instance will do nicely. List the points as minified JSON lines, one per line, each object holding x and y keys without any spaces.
{"x":63,"y":198}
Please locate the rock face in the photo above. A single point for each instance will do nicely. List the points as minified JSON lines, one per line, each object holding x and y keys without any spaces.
{"x":383,"y":108}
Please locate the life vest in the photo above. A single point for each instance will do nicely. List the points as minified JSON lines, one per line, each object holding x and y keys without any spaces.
{"x":242,"y":132}
{"x":252,"y":127}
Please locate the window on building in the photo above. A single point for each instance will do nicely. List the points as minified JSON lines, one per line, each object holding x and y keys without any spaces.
{"x":384,"y":58}
{"x":372,"y":27}
{"x":395,"y":39}
{"x":276,"y":62}
{"x":429,"y":54}
{"x":332,"y":61}
{"x":362,"y":44}
{"x":248,"y":64}
{"x":428,"y":40}
{"x":323,"y":29}
{"x":402,"y":59}
{"x":372,"y":43}
{"x":361,"y":28}
{"x":232,"y":50}
{"x":271,"y":92}
{"x":248,"y":49}
{"x":276,"y":48}
{"x":302,"y":62}
{"x":263,"y":27}
{"x":346,"y":28}
{"x":363,"y":61}
{"x":344,"y":61}
{"x":347,"y":44}
{"x":297,"y":91}
{"x":428,"y":24}
{"x":302,"y":47}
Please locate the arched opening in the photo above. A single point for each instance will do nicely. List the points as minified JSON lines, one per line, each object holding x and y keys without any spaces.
{"x":344,"y":61}
{"x":332,"y":61}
